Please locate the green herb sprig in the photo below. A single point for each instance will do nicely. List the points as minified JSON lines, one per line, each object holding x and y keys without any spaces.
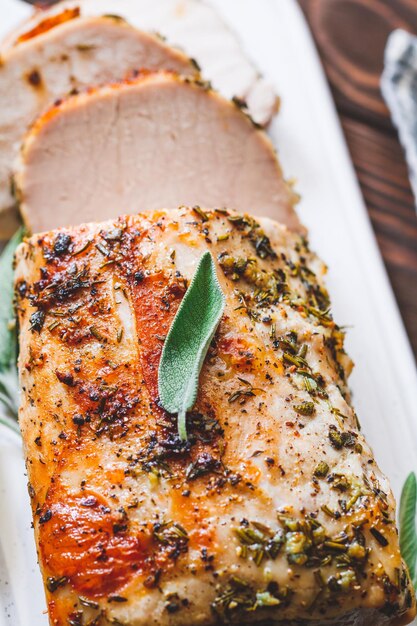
{"x":408,"y":535}
{"x":8,"y":343}
{"x":188,"y":341}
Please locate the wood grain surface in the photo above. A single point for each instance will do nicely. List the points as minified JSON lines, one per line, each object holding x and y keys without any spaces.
{"x":351,"y":36}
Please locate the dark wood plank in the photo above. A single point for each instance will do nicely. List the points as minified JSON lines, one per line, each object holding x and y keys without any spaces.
{"x":383,"y":177}
{"x":351,"y":36}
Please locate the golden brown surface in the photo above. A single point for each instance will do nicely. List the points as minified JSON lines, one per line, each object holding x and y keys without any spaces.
{"x":50,"y":22}
{"x":274,"y":509}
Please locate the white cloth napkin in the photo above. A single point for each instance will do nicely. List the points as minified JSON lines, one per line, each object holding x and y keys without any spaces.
{"x":399,"y":88}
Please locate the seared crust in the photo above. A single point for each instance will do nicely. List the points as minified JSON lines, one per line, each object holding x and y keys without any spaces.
{"x":273,"y":512}
{"x":47,"y":23}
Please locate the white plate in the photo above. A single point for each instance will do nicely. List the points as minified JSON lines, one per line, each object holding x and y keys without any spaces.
{"x":309,"y":139}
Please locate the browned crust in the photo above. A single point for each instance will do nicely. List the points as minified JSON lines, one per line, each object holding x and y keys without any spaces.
{"x":63,"y":514}
{"x":48,"y":23}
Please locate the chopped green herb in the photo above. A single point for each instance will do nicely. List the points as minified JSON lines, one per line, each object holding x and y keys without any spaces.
{"x":381,"y":539}
{"x":8,"y":341}
{"x":238,"y":596}
{"x":171,"y":534}
{"x":298,"y":361}
{"x":83,"y":248}
{"x":248,"y":391}
{"x":52,"y":584}
{"x":345,"y":439}
{"x":204,"y":217}
{"x":97,"y":334}
{"x":322,"y":469}
{"x":329,"y":512}
{"x":305,"y":408}
{"x":259,"y":542}
{"x":335,"y":437}
{"x":103,"y":249}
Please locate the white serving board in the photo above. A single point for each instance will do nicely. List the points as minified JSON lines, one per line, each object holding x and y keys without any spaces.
{"x":311,"y":146}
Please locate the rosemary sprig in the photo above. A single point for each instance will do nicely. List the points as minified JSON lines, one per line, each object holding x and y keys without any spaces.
{"x":8,"y":342}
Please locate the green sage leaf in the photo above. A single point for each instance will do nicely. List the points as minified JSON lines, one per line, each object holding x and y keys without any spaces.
{"x":8,"y":349}
{"x":408,"y":535}
{"x":188,"y":341}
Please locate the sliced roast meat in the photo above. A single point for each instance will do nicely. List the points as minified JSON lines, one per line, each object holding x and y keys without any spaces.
{"x":199,"y":30}
{"x":159,"y":140}
{"x":67,"y":55}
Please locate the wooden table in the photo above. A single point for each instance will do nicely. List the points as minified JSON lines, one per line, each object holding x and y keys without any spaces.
{"x":350,"y":36}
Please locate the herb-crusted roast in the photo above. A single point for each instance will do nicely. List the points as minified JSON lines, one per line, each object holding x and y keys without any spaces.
{"x":272,"y":510}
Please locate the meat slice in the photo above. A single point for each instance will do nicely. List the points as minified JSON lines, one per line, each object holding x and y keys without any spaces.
{"x":197,"y":28}
{"x":273,"y":511}
{"x":71,"y":54}
{"x":157,"y":141}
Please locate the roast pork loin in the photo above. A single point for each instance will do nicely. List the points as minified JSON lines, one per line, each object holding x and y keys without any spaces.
{"x":67,"y":54}
{"x":193,"y":25}
{"x":159,"y":140}
{"x":273,"y":511}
